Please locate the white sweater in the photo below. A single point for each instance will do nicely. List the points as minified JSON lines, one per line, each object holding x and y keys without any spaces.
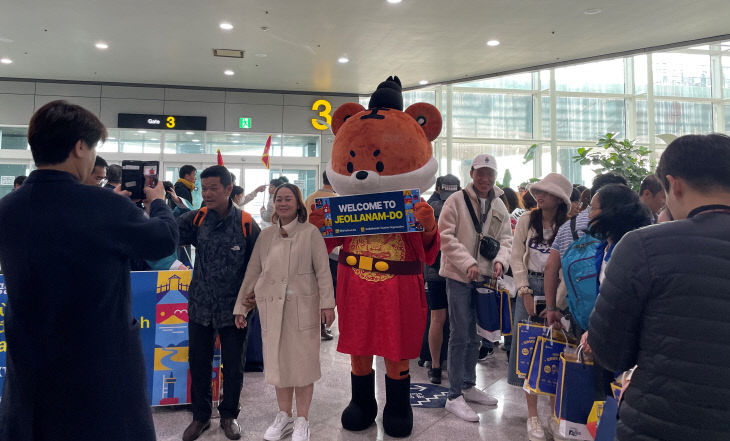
{"x":459,"y":247}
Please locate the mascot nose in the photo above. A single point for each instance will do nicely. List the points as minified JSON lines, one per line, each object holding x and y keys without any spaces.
{"x":361,"y":175}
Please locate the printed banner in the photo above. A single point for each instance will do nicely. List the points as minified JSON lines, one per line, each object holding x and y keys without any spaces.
{"x":374,"y":213}
{"x":160,"y":306}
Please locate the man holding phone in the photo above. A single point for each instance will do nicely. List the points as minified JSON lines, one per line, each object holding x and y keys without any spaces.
{"x":470,"y":255}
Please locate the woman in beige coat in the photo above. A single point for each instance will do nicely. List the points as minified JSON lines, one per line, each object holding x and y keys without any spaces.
{"x":289,"y":276}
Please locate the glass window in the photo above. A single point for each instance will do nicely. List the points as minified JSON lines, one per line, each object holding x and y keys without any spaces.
{"x":682,"y":118}
{"x":139,"y":141}
{"x":9,"y":172}
{"x":726,"y":76}
{"x":111,"y":144}
{"x":545,"y":109}
{"x":300,"y":146}
{"x":184,"y":142}
{"x":251,"y":144}
{"x":727,"y":118}
{"x":641,"y":74}
{"x":483,"y":115}
{"x":576,"y":173}
{"x":588,"y":118}
{"x":678,"y":74}
{"x":545,"y":79}
{"x":642,"y":118}
{"x":14,"y":138}
{"x":602,"y":76}
{"x":521,"y":81}
{"x":417,"y":96}
{"x":509,"y":157}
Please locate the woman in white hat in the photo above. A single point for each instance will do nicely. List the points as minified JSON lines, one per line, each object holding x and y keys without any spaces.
{"x":534,"y":235}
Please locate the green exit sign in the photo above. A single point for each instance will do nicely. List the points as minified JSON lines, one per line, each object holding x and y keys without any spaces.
{"x":244,"y":123}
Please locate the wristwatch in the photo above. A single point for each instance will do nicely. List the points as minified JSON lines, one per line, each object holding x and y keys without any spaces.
{"x":552,"y":308}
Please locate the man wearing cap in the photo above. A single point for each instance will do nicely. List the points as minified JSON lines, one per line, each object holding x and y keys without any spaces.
{"x":467,"y":256}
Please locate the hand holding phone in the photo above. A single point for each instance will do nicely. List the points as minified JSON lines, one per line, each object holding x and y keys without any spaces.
{"x":156,"y":192}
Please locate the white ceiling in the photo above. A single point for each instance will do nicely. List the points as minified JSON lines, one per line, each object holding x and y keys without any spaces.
{"x":170,"y":41}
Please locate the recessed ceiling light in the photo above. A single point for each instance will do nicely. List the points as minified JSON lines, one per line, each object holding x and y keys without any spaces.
{"x":262,"y":55}
{"x":226,"y":26}
{"x":228,"y":72}
{"x":101,"y":45}
{"x":236,"y":134}
{"x":394,"y":1}
{"x":6,"y":40}
{"x":5,"y":60}
{"x":493,"y":43}
{"x":190,"y":133}
{"x":423,"y":82}
{"x":196,"y":140}
{"x":593,"y":11}
{"x":343,"y":60}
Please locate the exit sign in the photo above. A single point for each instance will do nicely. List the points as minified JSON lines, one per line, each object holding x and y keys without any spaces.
{"x":244,"y":123}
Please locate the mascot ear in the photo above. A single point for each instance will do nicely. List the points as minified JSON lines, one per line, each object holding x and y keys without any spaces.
{"x":428,"y":117}
{"x":342,"y":113}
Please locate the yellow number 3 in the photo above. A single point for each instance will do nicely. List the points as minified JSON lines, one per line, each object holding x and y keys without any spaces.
{"x":324,"y":114}
{"x":170,"y":122}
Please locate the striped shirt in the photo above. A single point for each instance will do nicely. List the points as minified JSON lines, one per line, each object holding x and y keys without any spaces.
{"x":564,"y":236}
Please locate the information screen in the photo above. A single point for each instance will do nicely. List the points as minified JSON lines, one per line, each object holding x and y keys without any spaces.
{"x":161,"y":122}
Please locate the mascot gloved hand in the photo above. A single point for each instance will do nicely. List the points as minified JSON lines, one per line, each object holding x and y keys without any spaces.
{"x":380,"y":291}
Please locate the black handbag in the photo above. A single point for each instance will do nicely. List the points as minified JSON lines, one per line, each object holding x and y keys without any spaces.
{"x":488,"y":246}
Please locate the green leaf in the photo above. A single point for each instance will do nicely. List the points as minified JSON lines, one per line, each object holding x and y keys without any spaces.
{"x":529,"y":154}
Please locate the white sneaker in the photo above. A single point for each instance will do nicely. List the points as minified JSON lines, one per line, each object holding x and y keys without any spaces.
{"x":459,"y":408}
{"x":534,"y":429}
{"x":477,"y":396}
{"x":301,"y":430}
{"x":554,"y":427}
{"x":280,"y":428}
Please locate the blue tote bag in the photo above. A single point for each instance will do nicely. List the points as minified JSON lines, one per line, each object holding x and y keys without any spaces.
{"x":527,"y":334}
{"x":575,"y":387}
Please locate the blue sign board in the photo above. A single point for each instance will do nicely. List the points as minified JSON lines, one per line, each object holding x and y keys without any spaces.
{"x":374,"y":213}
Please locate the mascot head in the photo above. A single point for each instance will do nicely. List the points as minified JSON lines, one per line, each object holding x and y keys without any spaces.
{"x":383,"y":148}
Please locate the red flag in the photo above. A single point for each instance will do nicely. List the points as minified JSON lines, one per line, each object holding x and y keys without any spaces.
{"x":265,"y":156}
{"x":220,"y":158}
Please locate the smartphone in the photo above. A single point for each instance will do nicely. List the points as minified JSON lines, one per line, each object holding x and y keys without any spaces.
{"x":138,"y":174}
{"x":540,"y":304}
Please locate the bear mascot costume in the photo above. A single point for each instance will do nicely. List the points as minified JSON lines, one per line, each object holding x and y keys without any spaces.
{"x":381,"y":301}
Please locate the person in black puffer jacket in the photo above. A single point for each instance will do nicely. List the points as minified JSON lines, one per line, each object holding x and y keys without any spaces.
{"x":664,"y":305}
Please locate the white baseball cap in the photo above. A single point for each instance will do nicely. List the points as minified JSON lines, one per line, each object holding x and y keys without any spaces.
{"x":484,"y":160}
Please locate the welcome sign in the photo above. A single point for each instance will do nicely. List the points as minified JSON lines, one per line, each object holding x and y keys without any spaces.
{"x":373,"y":213}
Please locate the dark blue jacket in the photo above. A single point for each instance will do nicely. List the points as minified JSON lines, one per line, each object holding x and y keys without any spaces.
{"x":74,"y":363}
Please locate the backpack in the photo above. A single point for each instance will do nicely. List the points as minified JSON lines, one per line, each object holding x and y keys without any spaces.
{"x":580,"y":275}
{"x":246,"y":220}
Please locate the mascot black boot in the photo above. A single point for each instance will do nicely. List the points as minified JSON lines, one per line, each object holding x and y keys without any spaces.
{"x":362,"y":410}
{"x":397,"y":415}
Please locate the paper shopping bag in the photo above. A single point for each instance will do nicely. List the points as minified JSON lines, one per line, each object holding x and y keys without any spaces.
{"x":542,"y":378}
{"x":574,"y":394}
{"x":505,"y":313}
{"x":488,"y":306}
{"x":527,"y":333}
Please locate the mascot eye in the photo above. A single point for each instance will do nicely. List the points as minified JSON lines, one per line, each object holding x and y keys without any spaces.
{"x":379,"y":167}
{"x":376,"y":152}
{"x":352,"y":153}
{"x":350,"y":167}
{"x":421,"y":120}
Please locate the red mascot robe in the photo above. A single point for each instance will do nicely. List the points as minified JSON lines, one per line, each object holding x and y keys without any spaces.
{"x":382,"y":314}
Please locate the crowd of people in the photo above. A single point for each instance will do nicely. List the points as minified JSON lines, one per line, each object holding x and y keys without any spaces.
{"x":661,"y":292}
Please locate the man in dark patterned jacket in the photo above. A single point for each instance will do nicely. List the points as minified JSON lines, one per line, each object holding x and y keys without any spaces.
{"x":222,"y":252}
{"x":665,"y":303}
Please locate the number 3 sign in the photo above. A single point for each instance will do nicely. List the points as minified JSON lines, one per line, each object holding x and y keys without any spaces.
{"x":325,"y":113}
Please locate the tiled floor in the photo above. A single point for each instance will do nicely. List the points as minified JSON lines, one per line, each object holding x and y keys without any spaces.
{"x":332,"y":393}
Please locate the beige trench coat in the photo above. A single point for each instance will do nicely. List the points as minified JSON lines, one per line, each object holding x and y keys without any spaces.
{"x":292,"y":283}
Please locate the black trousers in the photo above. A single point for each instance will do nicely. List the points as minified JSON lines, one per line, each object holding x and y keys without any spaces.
{"x":233,"y":353}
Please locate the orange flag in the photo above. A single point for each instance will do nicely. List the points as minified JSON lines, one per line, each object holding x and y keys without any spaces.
{"x":220,"y":158}
{"x":265,"y":156}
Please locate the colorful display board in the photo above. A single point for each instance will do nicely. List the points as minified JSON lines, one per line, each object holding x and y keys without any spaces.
{"x":373,"y":213}
{"x":160,"y":306}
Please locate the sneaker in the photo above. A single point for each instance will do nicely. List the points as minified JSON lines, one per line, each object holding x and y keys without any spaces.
{"x":280,"y":428}
{"x":485,"y":353}
{"x":301,"y":430}
{"x":534,"y":429}
{"x":424,"y":363}
{"x":459,"y":408}
{"x":326,"y":334}
{"x":554,"y":427}
{"x":477,"y":396}
{"x":434,"y":375}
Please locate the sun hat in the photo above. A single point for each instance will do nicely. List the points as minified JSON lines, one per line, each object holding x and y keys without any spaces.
{"x":556,"y":185}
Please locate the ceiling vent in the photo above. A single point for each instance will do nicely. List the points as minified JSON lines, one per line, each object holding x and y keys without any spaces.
{"x":228,"y":53}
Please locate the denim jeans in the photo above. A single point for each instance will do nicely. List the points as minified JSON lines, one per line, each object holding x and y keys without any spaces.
{"x":464,"y":341}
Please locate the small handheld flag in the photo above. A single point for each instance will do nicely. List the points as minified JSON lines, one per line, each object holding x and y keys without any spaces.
{"x":220,"y":158}
{"x":265,"y":156}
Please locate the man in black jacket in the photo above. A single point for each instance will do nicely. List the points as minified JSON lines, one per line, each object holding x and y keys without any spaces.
{"x":186,"y":184}
{"x":665,"y":304}
{"x":74,"y":363}
{"x":223,"y":237}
